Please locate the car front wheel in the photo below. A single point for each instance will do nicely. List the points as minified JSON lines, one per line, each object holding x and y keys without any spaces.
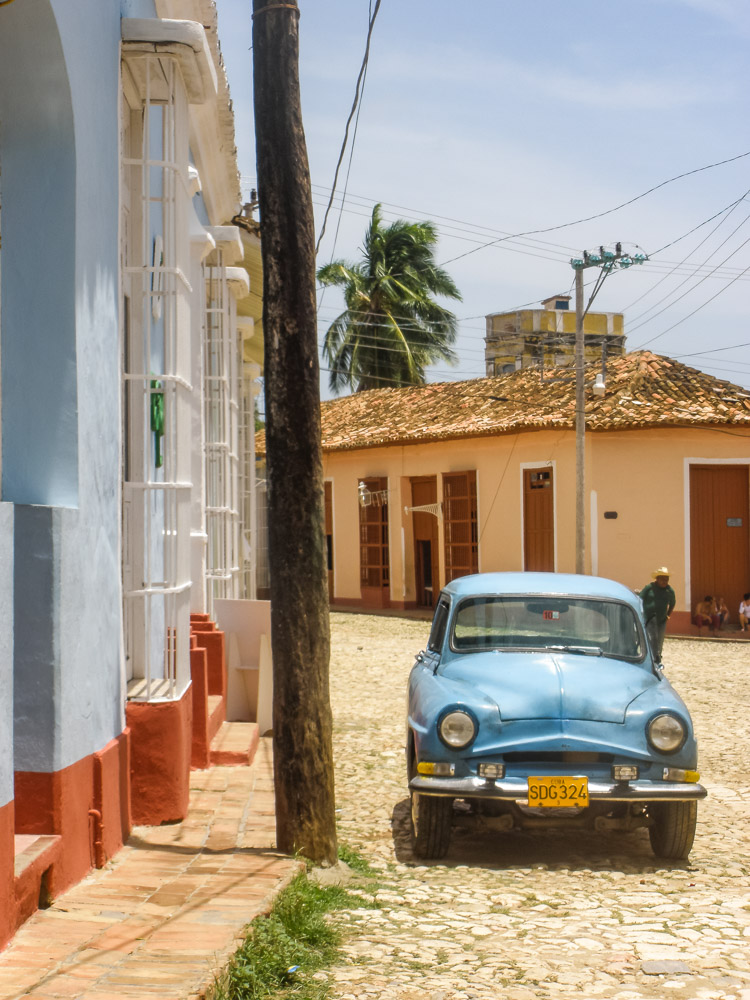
{"x":430,"y":825}
{"x":673,"y":828}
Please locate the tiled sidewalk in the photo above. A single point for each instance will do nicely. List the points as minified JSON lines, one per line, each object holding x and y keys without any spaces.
{"x":163,"y":916}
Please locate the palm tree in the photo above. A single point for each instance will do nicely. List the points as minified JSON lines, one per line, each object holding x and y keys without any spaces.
{"x":392,"y":328}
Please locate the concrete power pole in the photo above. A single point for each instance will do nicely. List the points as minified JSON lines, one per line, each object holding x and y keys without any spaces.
{"x":580,"y":432}
{"x":606,"y":261}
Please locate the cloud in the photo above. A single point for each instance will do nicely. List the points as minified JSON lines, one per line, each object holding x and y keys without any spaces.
{"x":633,"y":90}
{"x":732,"y":12}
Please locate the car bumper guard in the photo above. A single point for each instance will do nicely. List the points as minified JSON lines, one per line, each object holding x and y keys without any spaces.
{"x":517,"y":789}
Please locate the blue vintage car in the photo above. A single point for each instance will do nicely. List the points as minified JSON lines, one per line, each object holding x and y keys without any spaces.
{"x":539,"y":702}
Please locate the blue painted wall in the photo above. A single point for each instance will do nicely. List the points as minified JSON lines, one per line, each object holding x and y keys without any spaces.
{"x":6,"y":654}
{"x":38,"y":300}
{"x":59,"y":127}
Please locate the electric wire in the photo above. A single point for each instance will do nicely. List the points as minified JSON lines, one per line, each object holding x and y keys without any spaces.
{"x":478,"y":230}
{"x":637,"y":325}
{"x":713,"y":350}
{"x":351,"y":157}
{"x":516,"y":439}
{"x":360,"y":79}
{"x":665,"y":268}
{"x":726,"y":212}
{"x":609,"y":211}
{"x":696,"y":310}
{"x":719,"y":272}
{"x":481,"y":232}
{"x":731,"y":206}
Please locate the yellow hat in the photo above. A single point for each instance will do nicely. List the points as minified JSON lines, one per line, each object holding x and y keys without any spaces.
{"x":661,"y":571}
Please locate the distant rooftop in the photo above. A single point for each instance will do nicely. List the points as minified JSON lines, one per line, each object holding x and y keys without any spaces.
{"x":642,"y":390}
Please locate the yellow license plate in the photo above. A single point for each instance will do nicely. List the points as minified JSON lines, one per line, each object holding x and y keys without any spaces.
{"x":558,"y":792}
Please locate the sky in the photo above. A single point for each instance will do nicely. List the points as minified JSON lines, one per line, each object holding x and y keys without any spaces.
{"x":498,"y":117}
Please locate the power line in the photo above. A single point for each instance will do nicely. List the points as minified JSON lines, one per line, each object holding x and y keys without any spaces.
{"x":478,"y":231}
{"x":713,"y":350}
{"x":388,"y":210}
{"x":360,"y":78}
{"x":609,"y":211}
{"x":697,"y":309}
{"x":351,"y":157}
{"x":376,"y":343}
{"x":689,"y":278}
{"x":729,"y":209}
{"x":562,"y":255}
{"x":665,"y":266}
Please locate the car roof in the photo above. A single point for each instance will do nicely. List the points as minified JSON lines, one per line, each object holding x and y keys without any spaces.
{"x":563,"y":584}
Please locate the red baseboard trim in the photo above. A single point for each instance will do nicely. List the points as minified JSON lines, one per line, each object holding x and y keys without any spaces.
{"x":160,"y":751}
{"x":679,"y":623}
{"x":213,"y":642}
{"x":82,"y":815}
{"x":7,"y":891}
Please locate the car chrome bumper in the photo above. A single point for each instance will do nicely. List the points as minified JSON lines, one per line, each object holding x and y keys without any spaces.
{"x":517,"y":789}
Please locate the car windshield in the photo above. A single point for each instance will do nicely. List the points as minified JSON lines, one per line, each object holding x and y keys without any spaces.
{"x":584,"y":626}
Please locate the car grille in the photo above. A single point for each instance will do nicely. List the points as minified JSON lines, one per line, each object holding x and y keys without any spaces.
{"x":559,"y":757}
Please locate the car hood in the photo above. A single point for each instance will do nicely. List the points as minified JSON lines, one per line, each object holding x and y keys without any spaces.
{"x":549,"y":685}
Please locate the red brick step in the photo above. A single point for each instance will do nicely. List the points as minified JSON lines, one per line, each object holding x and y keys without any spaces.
{"x":235,"y":743}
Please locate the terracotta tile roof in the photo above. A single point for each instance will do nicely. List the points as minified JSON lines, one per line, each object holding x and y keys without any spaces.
{"x":643,"y":390}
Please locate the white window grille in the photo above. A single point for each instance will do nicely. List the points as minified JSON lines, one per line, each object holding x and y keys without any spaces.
{"x":156,"y":393}
{"x":248,"y":498}
{"x":222,"y":422}
{"x":263,"y":571}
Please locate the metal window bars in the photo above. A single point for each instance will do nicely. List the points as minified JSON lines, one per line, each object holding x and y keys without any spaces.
{"x":222,"y":436}
{"x":157,"y":389}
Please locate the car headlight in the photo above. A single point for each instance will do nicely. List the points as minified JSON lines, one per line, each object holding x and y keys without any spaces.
{"x":457,"y":729}
{"x":666,"y":733}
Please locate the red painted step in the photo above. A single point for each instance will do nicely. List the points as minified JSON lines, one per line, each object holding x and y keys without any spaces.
{"x":235,"y":743}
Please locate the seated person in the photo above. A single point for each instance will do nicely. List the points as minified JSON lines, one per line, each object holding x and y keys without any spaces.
{"x":744,"y":612}
{"x":706,"y":614}
{"x":721,"y":607}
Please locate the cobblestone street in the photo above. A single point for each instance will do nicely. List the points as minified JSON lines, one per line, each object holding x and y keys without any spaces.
{"x":516,"y":915}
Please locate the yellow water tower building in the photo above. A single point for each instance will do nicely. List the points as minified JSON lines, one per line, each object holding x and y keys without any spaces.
{"x":545,"y":338}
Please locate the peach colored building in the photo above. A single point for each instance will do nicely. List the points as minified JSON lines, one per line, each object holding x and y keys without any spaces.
{"x":427,"y":483}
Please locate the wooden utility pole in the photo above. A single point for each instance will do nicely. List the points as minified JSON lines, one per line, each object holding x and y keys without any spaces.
{"x":303,"y":755}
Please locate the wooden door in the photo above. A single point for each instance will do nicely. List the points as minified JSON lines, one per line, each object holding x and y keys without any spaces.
{"x":460,"y":524}
{"x":374,"y":562}
{"x":329,"y":534}
{"x":719,"y":538}
{"x":538,"y":521}
{"x":425,"y":530}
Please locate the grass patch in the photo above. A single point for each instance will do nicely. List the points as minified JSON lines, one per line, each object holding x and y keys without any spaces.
{"x":297,"y":938}
{"x":355,"y":860}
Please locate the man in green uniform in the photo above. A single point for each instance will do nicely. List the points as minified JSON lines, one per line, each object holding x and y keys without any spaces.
{"x":658,"y":601}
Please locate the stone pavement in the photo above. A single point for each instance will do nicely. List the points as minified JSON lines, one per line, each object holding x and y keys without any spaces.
{"x":511,"y":916}
{"x":538,"y":915}
{"x":161,"y":918}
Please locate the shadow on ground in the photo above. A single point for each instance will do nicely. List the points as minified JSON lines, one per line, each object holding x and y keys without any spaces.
{"x":475,"y":843}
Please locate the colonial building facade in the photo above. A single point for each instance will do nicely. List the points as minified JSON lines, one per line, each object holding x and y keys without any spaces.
{"x":433,"y":482}
{"x":127,"y":432}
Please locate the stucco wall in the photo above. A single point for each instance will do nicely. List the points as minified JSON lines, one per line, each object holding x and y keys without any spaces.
{"x":38,"y":296}
{"x":59,"y":74}
{"x":642,"y":475}
{"x":6,"y":654}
